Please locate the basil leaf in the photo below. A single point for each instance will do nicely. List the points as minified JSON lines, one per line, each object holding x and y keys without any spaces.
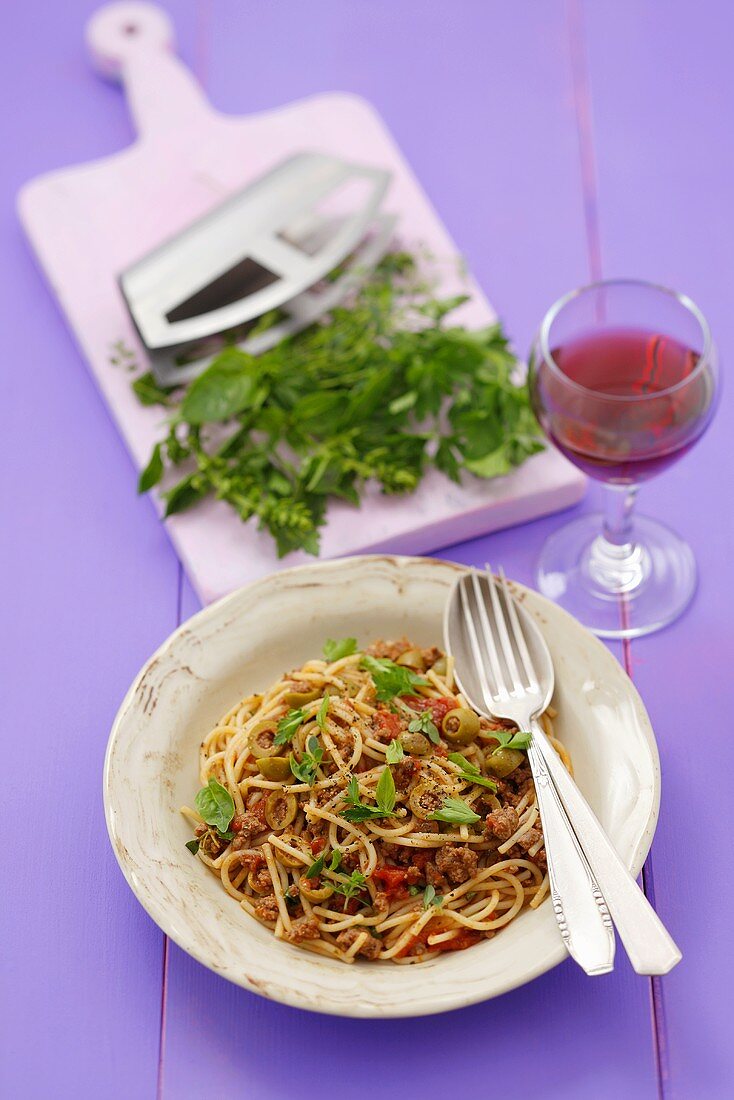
{"x":386,"y":792}
{"x":335,"y":650}
{"x":456,"y":812}
{"x":395,"y":752}
{"x":316,"y":867}
{"x":288,"y":725}
{"x":336,"y":860}
{"x":464,"y":764}
{"x":153,"y":472}
{"x":391,"y":679}
{"x":480,"y":780}
{"x":322,"y":712}
{"x":193,"y":846}
{"x":215,"y":804}
{"x":225,"y":388}
{"x":508,"y":739}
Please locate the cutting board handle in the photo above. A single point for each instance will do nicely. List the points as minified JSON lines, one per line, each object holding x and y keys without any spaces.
{"x":133,"y":42}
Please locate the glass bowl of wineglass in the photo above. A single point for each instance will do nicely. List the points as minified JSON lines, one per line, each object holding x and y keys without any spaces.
{"x":623,"y":379}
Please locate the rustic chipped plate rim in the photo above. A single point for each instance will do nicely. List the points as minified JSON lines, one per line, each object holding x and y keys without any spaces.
{"x":151,"y":767}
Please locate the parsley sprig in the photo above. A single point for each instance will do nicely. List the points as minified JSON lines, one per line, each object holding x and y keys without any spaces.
{"x":305,"y":768}
{"x":335,"y":650}
{"x":425,"y":724}
{"x":288,"y":725}
{"x":384,"y":797}
{"x":391,"y":679}
{"x":380,"y":390}
{"x":318,"y":864}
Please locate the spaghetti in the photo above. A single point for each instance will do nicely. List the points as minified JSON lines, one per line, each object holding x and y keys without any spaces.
{"x":360,"y":808}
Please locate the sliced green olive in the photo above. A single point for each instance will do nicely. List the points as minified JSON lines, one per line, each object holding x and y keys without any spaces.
{"x":460,"y":726}
{"x":425,"y":798}
{"x":300,"y":698}
{"x":315,"y":893}
{"x":441,"y":666}
{"x":280,"y":809}
{"x":502,"y":762}
{"x":276,"y":768}
{"x":256,"y":885}
{"x":261,"y":740}
{"x":415,"y":743}
{"x":412,"y":658}
{"x":283,"y":857}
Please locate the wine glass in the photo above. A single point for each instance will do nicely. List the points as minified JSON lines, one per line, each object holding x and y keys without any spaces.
{"x":623,"y":379}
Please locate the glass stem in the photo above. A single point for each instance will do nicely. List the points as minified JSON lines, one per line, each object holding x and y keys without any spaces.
{"x":616,"y":562}
{"x":619,"y":506}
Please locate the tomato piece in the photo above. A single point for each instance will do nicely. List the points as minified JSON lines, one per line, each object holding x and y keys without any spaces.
{"x":389,"y":724}
{"x":317,"y":845}
{"x":439,"y":708}
{"x":394,"y":881}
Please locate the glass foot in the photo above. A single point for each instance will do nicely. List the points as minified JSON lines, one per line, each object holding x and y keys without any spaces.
{"x":618,"y":592}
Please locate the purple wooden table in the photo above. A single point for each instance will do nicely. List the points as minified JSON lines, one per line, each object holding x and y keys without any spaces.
{"x":559,"y":142}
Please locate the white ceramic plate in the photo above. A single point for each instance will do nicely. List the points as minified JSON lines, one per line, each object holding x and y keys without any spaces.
{"x":244,"y":642}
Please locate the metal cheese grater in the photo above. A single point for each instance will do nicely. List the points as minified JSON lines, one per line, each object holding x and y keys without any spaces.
{"x":294,"y":241}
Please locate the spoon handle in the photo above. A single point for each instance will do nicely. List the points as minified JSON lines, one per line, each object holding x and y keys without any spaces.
{"x":649,"y":945}
{"x":584,"y":922}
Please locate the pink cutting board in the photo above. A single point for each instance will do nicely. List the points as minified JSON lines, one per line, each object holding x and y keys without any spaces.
{"x":89,"y":223}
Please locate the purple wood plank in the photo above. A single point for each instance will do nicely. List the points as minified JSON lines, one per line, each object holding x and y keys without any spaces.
{"x":90,"y":589}
{"x":663,"y":100}
{"x":480,"y":97}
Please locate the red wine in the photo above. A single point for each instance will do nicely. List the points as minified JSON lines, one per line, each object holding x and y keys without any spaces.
{"x":637,"y":404}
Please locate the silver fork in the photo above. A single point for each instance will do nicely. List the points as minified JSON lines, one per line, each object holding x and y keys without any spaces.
{"x":580,"y":909}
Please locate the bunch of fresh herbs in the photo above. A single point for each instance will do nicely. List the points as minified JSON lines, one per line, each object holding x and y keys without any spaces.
{"x":378,"y":391}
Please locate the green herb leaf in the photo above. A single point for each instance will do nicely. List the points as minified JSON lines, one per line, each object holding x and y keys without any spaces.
{"x":395,"y":752}
{"x":305,"y":769}
{"x":322,"y":712}
{"x":375,"y":393}
{"x":455,"y":811}
{"x":335,"y":650}
{"x":357,"y":810}
{"x":414,"y":890}
{"x":316,"y":867}
{"x":430,"y":897}
{"x":385,"y":792}
{"x":149,"y":392}
{"x":215,"y":804}
{"x":288,"y":725}
{"x":425,"y":724}
{"x":512,"y":740}
{"x":470,"y":772}
{"x":153,"y":472}
{"x":224,"y":389}
{"x":391,"y":679}
{"x":348,"y":886}
{"x":336,"y":860}
{"x":193,"y":846}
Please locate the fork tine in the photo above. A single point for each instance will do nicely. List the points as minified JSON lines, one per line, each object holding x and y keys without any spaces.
{"x":489,"y":642}
{"x":499,"y":618}
{"x":518,"y":635}
{"x":475,"y":646}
